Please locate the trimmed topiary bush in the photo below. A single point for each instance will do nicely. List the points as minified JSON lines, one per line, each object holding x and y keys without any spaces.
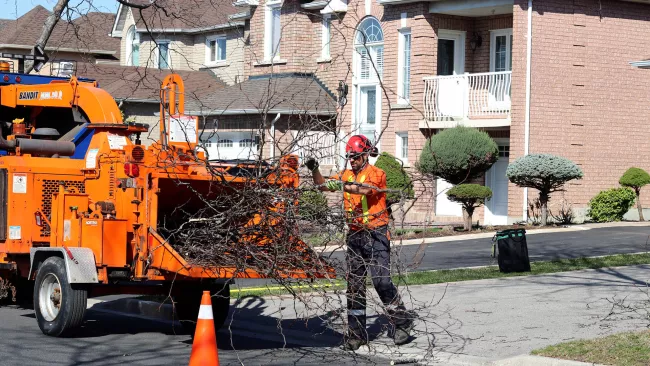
{"x":611,"y":205}
{"x":470,"y":196}
{"x":458,"y":154}
{"x":312,"y":205}
{"x":396,"y":177}
{"x":636,"y":178}
{"x":545,"y":172}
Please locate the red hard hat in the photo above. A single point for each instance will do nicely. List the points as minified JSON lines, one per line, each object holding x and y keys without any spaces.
{"x":358,"y":144}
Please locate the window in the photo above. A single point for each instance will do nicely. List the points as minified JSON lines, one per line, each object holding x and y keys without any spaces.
{"x":402,"y":146}
{"x":504,"y":151}
{"x":404,"y":67}
{"x":224,"y":143}
{"x":368,"y":70}
{"x":207,"y":143}
{"x":216,"y":49}
{"x":326,"y":37}
{"x":369,"y":43}
{"x":164,"y":59}
{"x":132,"y":47}
{"x":501,"y":50}
{"x":273,"y":32}
{"x":247,"y":143}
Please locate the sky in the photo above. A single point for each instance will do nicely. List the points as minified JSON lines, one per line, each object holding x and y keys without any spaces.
{"x":12,"y":9}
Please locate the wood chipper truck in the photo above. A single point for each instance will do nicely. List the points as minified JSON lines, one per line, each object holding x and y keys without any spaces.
{"x":81,"y":202}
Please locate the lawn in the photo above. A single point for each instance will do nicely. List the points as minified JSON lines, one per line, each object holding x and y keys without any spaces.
{"x":623,"y":349}
{"x":463,"y":274}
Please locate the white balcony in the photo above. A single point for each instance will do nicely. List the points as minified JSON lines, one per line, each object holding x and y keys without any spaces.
{"x":476,"y":100}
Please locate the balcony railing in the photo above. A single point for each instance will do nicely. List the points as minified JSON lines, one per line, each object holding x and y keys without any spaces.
{"x":468,"y":96}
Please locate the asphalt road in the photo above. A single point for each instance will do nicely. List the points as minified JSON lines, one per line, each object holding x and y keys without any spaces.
{"x":110,"y":339}
{"x":476,"y":252}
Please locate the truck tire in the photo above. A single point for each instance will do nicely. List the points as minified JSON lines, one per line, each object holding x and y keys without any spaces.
{"x":188,"y":302}
{"x":59,"y":306}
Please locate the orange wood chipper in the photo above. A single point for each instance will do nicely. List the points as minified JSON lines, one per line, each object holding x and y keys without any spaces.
{"x":81,"y":201}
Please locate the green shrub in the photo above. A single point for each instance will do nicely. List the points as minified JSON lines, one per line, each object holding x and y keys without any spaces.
{"x":458,"y":154}
{"x":312,"y":205}
{"x":545,"y":172}
{"x":470,"y":196}
{"x":611,"y":205}
{"x":636,"y":178}
{"x":396,"y":177}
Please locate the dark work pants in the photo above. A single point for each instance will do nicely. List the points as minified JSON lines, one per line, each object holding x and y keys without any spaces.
{"x":369,"y":251}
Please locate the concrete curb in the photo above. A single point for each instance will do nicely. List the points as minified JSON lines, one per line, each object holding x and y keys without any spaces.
{"x":462,"y":237}
{"x":530,"y":360}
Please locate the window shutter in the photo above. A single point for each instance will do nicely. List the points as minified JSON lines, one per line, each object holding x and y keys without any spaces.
{"x":379,"y":62}
{"x":365,"y":64}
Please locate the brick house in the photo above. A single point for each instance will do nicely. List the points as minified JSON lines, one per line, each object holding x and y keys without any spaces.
{"x":450,"y":62}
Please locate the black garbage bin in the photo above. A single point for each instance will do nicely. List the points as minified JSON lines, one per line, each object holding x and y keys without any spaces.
{"x":512,"y":251}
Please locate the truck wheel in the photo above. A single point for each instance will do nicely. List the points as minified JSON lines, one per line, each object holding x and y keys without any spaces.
{"x":188,"y":303}
{"x":59,"y":306}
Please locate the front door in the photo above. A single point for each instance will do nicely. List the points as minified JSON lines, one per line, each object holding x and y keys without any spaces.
{"x":496,"y":208}
{"x":451,"y":62}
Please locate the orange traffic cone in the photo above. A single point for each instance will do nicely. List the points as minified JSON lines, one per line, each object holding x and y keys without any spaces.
{"x":204,"y":348}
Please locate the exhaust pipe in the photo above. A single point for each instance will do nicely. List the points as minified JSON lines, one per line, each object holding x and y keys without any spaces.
{"x":45,"y":147}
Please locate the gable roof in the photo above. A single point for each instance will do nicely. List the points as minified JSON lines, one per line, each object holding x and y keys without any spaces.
{"x":291,"y":93}
{"x":86,"y":34}
{"x":139,"y":84}
{"x":183,"y":16}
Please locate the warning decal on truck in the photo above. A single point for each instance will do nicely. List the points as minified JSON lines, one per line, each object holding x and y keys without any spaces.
{"x":14,"y":232}
{"x":19,"y":183}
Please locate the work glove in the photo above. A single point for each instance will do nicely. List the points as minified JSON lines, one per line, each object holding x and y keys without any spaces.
{"x":334,"y":185}
{"x":311,"y":164}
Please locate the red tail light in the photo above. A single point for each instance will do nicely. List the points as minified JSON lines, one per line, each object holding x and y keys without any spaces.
{"x":132,"y":170}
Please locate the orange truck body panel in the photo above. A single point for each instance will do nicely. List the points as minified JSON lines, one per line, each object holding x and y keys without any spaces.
{"x":98,"y":203}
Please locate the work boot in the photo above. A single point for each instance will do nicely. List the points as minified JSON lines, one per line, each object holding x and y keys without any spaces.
{"x":403,"y":331}
{"x":353,"y":344}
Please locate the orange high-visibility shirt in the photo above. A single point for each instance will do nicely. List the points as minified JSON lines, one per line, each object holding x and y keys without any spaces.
{"x":365,"y":211}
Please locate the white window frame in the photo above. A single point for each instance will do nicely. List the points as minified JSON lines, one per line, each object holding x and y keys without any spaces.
{"x":132,"y":31}
{"x":169,"y":53}
{"x":268,"y":31}
{"x":401,"y":60}
{"x":399,"y":136}
{"x":326,"y":37}
{"x":208,"y":55}
{"x":493,"y":42}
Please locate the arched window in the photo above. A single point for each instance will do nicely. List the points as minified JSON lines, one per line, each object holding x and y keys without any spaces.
{"x":224,"y":143}
{"x":132,"y":47}
{"x":369,"y":31}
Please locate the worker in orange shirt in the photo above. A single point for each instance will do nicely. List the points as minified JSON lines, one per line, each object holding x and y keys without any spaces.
{"x":368,"y":241}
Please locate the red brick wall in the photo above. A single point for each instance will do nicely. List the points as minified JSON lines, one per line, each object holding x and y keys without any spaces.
{"x":587,"y":103}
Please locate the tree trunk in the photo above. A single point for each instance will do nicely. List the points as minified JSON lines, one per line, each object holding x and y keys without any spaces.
{"x":469,"y":212}
{"x":638,"y":204}
{"x":543,"y":201}
{"x":50,"y":22}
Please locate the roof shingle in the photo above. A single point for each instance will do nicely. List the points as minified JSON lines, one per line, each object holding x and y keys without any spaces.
{"x":89,"y":32}
{"x":292,"y":92}
{"x":143,"y":84}
{"x":175,"y":15}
